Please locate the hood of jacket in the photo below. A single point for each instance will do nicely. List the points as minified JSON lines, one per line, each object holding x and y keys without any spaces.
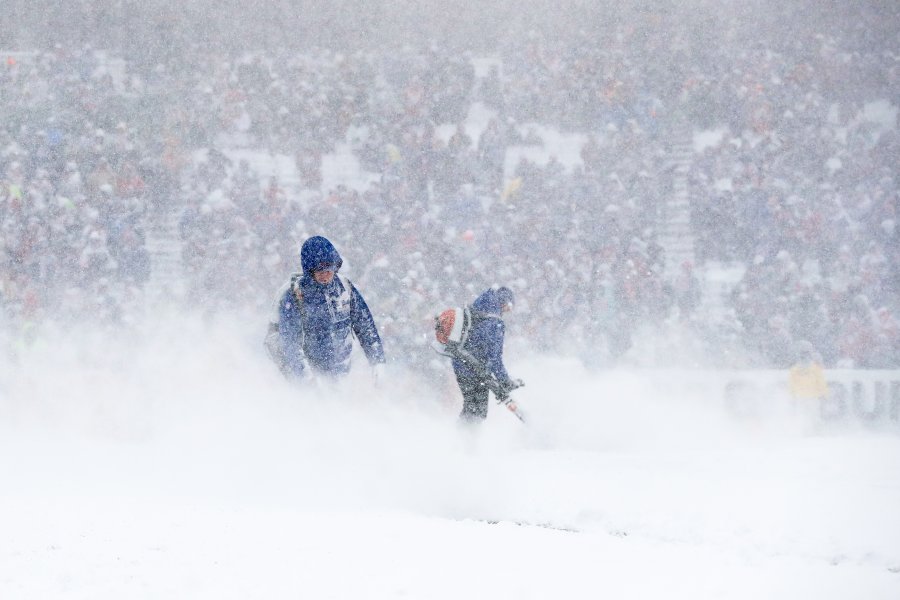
{"x":491,"y":300}
{"x":317,"y":252}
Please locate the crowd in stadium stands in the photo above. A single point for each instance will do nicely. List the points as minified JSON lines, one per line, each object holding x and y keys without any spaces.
{"x":801,"y":190}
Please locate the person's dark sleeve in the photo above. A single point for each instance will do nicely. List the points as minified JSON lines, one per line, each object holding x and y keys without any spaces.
{"x":364,"y":327}
{"x":290,"y":328}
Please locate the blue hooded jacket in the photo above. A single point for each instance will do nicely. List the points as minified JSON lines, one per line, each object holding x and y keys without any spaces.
{"x":317,"y":330}
{"x":485,"y":341}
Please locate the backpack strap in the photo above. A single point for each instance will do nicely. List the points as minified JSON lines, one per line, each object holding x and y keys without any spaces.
{"x":467,"y":325}
{"x":296,"y":291}
{"x":348,"y":287}
{"x":345,"y":283}
{"x":472,"y":319}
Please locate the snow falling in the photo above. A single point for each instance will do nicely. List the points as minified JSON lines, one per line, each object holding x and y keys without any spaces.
{"x":688,"y":201}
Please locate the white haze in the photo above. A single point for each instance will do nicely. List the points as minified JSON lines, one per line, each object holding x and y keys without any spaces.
{"x":175,"y":461}
{"x":164,"y":456}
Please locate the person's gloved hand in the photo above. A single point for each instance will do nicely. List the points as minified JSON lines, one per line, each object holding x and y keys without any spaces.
{"x":512,"y":384}
{"x":515,"y":384}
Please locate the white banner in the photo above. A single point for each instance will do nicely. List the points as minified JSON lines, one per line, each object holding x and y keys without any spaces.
{"x":861,"y":396}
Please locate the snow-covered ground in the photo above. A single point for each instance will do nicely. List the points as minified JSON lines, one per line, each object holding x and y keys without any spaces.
{"x":176,"y":463}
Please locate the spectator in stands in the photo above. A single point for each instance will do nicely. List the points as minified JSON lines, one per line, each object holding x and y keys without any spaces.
{"x":801,"y":177}
{"x":806,"y":378}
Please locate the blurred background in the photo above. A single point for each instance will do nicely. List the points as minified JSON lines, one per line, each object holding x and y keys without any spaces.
{"x":661,"y":184}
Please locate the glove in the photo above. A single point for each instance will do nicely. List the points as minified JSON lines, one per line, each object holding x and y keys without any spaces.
{"x":512,"y":384}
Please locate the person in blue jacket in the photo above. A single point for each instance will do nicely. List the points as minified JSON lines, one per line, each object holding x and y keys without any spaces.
{"x":485,"y":345}
{"x":319,"y":312}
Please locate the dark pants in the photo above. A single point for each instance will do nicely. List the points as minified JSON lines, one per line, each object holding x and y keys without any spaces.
{"x":475,"y":399}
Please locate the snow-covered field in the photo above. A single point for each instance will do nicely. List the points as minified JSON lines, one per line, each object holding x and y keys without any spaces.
{"x":176,"y":463}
